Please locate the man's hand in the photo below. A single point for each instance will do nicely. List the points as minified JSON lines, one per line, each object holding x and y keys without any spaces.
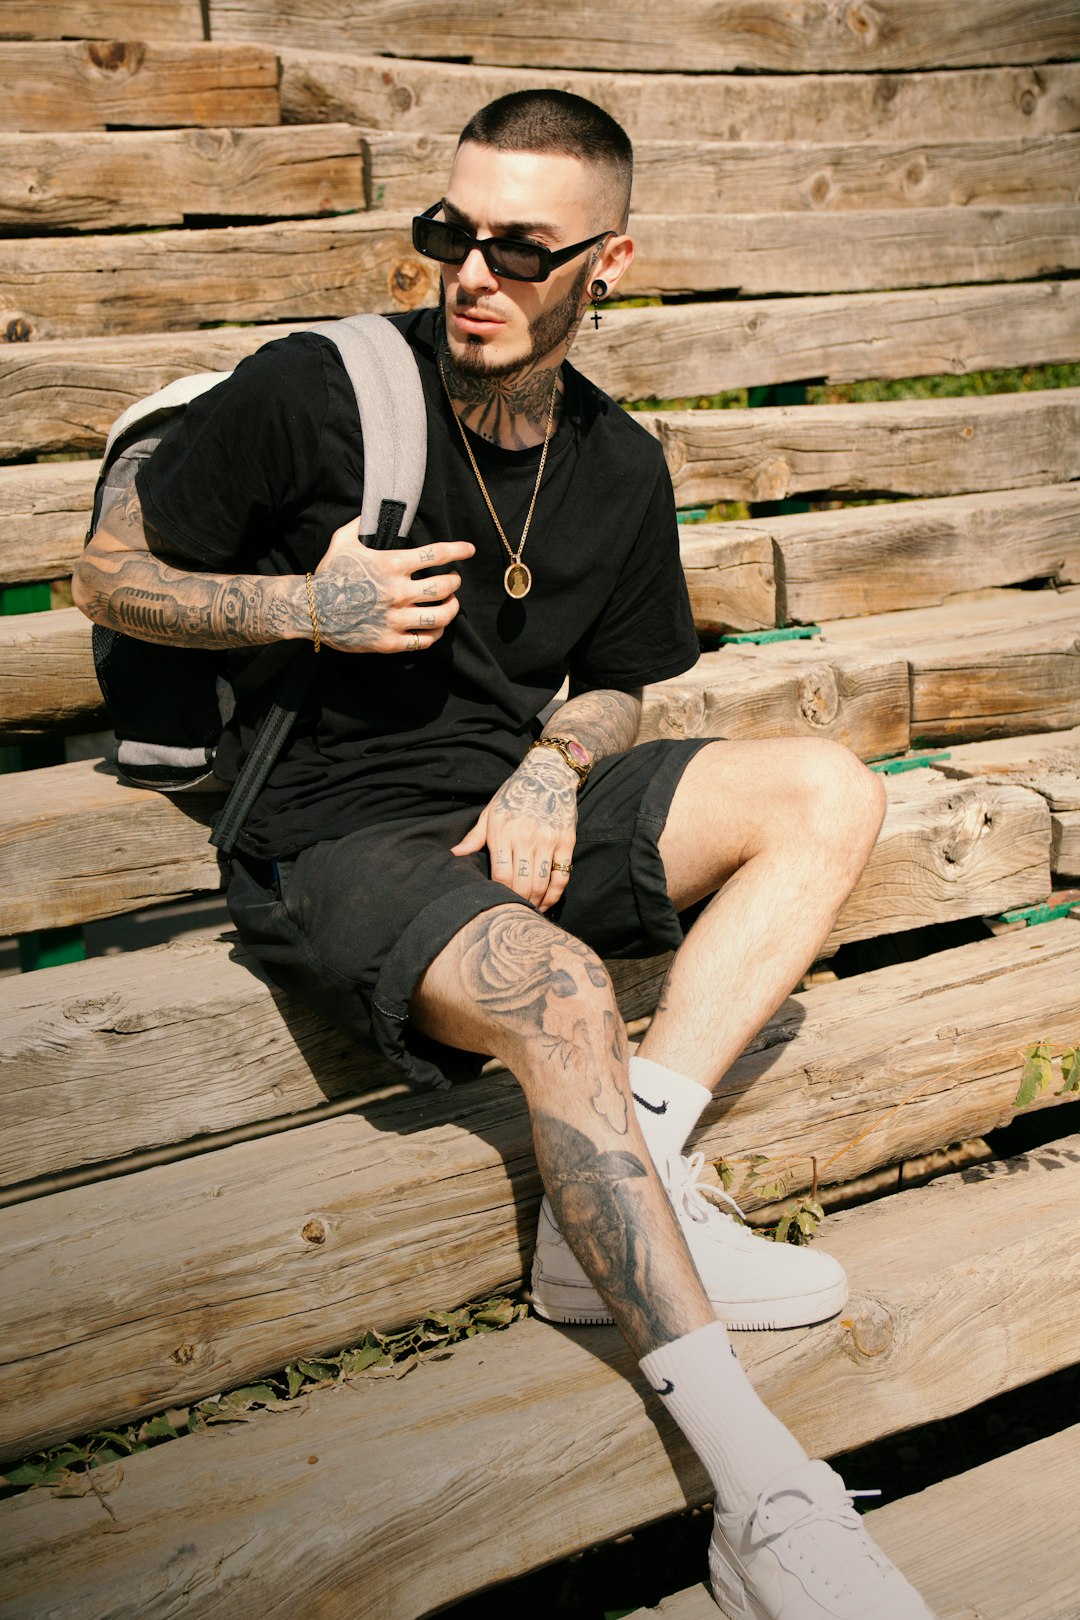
{"x":369,"y":601}
{"x":530,"y":828}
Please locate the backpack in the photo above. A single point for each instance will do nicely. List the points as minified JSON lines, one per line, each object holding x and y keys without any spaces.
{"x":169,"y":705}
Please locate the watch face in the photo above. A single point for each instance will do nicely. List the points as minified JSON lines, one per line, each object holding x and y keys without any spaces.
{"x":575,"y":749}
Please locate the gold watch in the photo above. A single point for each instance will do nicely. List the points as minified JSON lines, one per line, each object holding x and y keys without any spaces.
{"x":571,"y":751}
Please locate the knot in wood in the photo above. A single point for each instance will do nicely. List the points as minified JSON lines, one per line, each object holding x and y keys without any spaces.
{"x":864,"y":21}
{"x":870,"y":1331}
{"x":183,"y":1355}
{"x":773,"y":480}
{"x":1028,"y":102}
{"x":18,"y":331}
{"x":410,"y":282}
{"x":819,"y":699}
{"x":314,"y":1232}
{"x":820,"y":187}
{"x":117,"y":56}
{"x":401,"y":98}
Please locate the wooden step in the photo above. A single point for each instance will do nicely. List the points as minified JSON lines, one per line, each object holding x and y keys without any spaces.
{"x":123,"y":83}
{"x":930,"y":448}
{"x":550,"y":1437}
{"x":103,"y":19}
{"x":47,"y":679}
{"x":81,"y":286}
{"x":789,"y":36}
{"x":1006,"y":663}
{"x":1048,"y":764}
{"x":84,"y":1049}
{"x":905,"y":447}
{"x":978,"y":1546}
{"x":428,"y":98}
{"x":160,"y":177}
{"x":155,"y":1288}
{"x":64,"y":394}
{"x":755,"y":177}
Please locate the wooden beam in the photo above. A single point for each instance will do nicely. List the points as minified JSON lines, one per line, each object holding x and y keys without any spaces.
{"x":582,"y":1450}
{"x":44,"y":512}
{"x":64,"y":394}
{"x":730,"y":576}
{"x":779,"y":176}
{"x":123,"y":84}
{"x":1006,"y":665}
{"x":81,"y":286}
{"x":699,"y":36}
{"x":176,"y":20}
{"x":978,"y":1544}
{"x":84,"y":1049}
{"x":1048,"y":764}
{"x":161,"y":177}
{"x":438,"y":98}
{"x":876,"y":559}
{"x":47,"y":679}
{"x":907,"y":447}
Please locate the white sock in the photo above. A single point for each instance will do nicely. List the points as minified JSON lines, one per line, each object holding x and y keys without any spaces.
{"x":741,"y":1444}
{"x":668,"y":1106}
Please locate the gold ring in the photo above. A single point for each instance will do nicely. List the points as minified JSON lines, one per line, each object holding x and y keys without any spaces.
{"x":414,"y":644}
{"x":557,"y":866}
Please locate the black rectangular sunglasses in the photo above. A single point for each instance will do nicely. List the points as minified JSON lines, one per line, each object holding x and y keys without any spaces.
{"x":515,"y":259}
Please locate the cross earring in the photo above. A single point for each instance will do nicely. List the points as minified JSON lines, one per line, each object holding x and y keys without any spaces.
{"x":597,"y":291}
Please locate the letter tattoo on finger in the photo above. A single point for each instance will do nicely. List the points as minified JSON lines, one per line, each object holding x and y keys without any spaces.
{"x":523,"y":869}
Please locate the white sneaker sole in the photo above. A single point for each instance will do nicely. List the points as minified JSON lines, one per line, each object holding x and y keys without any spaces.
{"x":570,"y":1305}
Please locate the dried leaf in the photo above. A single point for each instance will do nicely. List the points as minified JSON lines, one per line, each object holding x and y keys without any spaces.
{"x":1036,"y":1074}
{"x":323,"y":1372}
{"x":1070,"y":1070}
{"x":355,"y":1362}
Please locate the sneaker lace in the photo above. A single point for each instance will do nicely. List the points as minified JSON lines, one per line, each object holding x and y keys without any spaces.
{"x":701,"y":1200}
{"x":777,"y":1517}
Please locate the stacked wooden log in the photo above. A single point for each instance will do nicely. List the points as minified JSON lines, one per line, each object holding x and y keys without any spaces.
{"x":200,"y":1181}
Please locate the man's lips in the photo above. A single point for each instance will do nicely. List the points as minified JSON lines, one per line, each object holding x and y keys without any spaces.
{"x":476,"y":320}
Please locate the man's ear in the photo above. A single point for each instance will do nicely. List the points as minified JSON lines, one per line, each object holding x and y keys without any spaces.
{"x":616,"y":257}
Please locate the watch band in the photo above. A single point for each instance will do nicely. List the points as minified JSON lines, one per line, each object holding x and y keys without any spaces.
{"x":571,"y":751}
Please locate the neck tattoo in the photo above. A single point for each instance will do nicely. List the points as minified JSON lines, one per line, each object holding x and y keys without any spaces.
{"x":517,"y":580}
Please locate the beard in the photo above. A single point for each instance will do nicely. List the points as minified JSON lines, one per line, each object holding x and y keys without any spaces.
{"x":548,"y":332}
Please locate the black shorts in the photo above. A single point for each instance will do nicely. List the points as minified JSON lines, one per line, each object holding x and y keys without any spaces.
{"x":351,"y":925}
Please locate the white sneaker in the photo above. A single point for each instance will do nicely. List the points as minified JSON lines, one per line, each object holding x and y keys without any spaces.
{"x":804,"y":1554}
{"x":751,"y":1281}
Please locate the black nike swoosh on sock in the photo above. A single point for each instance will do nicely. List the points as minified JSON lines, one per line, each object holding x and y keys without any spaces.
{"x":652,"y":1107}
{"x":668,"y":1389}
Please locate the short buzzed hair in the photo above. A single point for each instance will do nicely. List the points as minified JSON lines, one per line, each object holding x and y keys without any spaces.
{"x":557,"y":121}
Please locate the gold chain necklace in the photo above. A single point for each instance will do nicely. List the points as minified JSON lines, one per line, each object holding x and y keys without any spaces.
{"x":517,"y":580}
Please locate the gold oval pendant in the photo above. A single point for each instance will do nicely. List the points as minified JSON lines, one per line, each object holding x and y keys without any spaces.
{"x":518,"y":580}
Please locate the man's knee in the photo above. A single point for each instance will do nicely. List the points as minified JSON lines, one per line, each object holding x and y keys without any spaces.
{"x":514,"y":984}
{"x":844,"y":800}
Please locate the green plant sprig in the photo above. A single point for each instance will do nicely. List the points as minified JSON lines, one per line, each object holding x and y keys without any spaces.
{"x":1037,"y":1072}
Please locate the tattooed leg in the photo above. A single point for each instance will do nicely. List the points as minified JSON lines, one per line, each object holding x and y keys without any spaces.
{"x":515,"y":985}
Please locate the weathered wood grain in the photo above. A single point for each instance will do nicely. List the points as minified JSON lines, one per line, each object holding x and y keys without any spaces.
{"x":776,"y":176}
{"x":978,"y":1546}
{"x":907,"y":447}
{"x":96,"y":1062}
{"x":1048,"y":764}
{"x":787,"y":690}
{"x":47,"y":678}
{"x":179,"y":20}
{"x":699,"y":36}
{"x":65,"y":394}
{"x":98,"y":848}
{"x":959,"y":1291}
{"x":438,"y":98}
{"x":127,"y":84}
{"x":1006,"y":665}
{"x":874,"y":559}
{"x":161,"y":177}
{"x":44,"y":512}
{"x":80,"y":286}
{"x":730,"y":576}
{"x":103,"y":1059}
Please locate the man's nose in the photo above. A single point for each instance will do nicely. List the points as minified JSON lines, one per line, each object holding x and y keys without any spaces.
{"x":475,"y":275}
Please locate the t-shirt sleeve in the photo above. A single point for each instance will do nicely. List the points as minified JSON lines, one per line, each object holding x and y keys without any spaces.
{"x":228,"y":471}
{"x":645,"y":632}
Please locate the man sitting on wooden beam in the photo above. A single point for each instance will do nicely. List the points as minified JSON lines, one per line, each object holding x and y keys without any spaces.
{"x":437,"y":869}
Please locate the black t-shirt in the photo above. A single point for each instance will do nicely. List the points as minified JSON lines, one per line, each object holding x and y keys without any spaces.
{"x":259,"y":472}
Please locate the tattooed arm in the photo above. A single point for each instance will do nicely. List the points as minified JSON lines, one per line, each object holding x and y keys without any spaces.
{"x":365,"y":600}
{"x":530,"y":826}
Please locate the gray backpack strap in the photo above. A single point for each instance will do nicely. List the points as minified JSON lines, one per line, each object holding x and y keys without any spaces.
{"x":393,"y":420}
